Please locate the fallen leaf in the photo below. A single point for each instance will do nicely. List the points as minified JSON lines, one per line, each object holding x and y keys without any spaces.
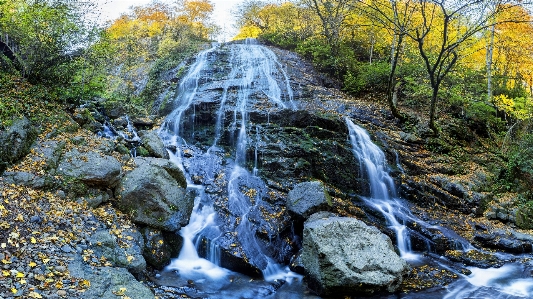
{"x":35,"y":295}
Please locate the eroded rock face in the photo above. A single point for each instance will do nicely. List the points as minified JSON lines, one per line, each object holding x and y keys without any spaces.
{"x":91,"y":168}
{"x":154,"y":198}
{"x":344,"y":256}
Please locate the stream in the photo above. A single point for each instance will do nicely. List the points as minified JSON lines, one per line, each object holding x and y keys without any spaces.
{"x":214,"y":139}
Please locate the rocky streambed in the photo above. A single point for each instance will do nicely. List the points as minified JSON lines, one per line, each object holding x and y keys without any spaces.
{"x":82,"y":218}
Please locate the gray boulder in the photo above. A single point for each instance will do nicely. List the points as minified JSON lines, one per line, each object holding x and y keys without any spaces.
{"x":24,"y":179}
{"x":308,"y":198}
{"x":103,"y":243}
{"x":154,"y":198}
{"x":109,"y":282}
{"x":91,"y":168}
{"x":345,"y":257}
{"x":167,"y":165}
{"x":16,"y":141}
{"x":49,"y":153}
{"x":153,"y":144}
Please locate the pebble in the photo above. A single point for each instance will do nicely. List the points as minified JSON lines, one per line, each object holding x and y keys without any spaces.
{"x":36,"y":219}
{"x":62,"y":293}
{"x":66,"y":249}
{"x":60,"y":269}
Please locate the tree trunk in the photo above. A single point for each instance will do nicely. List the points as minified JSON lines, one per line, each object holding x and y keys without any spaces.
{"x":433,"y":108}
{"x":490,"y":50}
{"x":395,"y":54}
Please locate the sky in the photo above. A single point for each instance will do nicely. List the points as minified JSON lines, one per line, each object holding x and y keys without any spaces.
{"x":222,"y":16}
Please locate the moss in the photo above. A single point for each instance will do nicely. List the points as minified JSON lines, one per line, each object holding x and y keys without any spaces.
{"x":524,"y":215}
{"x":143,"y":152}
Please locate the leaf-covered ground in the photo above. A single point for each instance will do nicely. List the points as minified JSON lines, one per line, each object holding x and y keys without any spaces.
{"x":41,"y":232}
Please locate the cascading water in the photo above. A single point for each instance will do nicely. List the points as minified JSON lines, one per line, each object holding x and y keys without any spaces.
{"x":509,"y":281}
{"x":382,"y":190}
{"x":252,"y":69}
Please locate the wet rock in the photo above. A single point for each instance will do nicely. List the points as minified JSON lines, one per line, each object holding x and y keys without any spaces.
{"x":365,"y":265}
{"x":160,"y":247}
{"x":144,"y":122}
{"x":308,"y":198}
{"x":507,"y":242}
{"x":301,"y":146}
{"x":91,"y":168}
{"x":474,"y":258}
{"x":296,"y":264}
{"x":154,"y":198}
{"x":103,"y":243}
{"x":106,"y":282}
{"x":16,"y":141}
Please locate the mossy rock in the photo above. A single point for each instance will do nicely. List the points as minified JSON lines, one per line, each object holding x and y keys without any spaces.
{"x":524,"y":216}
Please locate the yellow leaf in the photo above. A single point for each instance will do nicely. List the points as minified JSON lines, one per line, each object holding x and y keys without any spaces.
{"x":32,"y":240}
{"x":130,"y":258}
{"x":5,"y":273}
{"x":19,"y":217}
{"x":22,"y":281}
{"x":20,"y":275}
{"x":35,"y":295}
{"x":14,"y":290}
{"x":46,"y":261}
{"x":84,"y":283}
{"x":120,"y":292}
{"x":33,"y":264}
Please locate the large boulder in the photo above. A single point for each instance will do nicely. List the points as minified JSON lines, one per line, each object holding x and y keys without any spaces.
{"x":308,"y":198}
{"x":91,"y":168}
{"x":345,"y":257}
{"x":153,"y":144}
{"x":167,"y":165}
{"x":153,"y":197}
{"x":16,"y":141}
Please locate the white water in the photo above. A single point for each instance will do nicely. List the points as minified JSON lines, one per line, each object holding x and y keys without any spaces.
{"x":253,"y":68}
{"x":373,"y":167}
{"x":510,"y":281}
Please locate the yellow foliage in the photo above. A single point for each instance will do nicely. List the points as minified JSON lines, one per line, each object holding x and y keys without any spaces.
{"x":249,"y":31}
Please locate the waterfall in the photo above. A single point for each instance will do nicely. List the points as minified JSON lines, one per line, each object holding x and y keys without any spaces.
{"x":373,"y":167}
{"x":253,"y":70}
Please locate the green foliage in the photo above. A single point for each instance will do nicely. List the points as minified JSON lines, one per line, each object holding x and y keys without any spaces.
{"x":482,"y":118}
{"x":367,"y":77}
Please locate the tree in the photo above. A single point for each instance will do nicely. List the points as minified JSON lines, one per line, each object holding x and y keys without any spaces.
{"x":333,"y":15}
{"x":445,"y":29}
{"x":48,"y":34}
{"x":396,"y":16}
